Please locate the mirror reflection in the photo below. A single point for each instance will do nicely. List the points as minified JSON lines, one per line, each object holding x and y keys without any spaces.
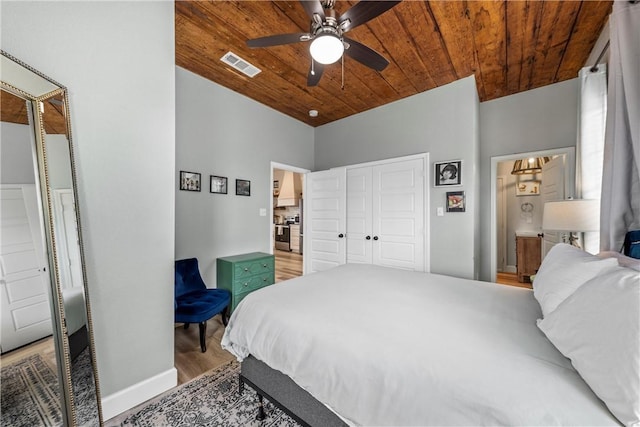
{"x":48,"y":367}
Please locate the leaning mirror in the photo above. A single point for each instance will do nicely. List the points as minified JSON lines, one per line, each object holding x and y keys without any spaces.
{"x":49,"y":374}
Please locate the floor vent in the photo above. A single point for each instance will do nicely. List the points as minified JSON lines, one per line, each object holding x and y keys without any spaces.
{"x":240,"y":64}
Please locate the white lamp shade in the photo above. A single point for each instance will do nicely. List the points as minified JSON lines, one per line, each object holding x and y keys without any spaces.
{"x":326,"y":49}
{"x":571,"y":215}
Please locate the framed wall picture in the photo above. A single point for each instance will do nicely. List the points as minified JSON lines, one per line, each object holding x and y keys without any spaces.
{"x":243,"y":187}
{"x":218,"y":184}
{"x":448,"y":173}
{"x":276,"y":188}
{"x":455,"y":201}
{"x":528,"y":188}
{"x":189,"y":181}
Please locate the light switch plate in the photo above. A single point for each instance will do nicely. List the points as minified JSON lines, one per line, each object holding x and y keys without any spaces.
{"x":440,"y":211}
{"x":263,"y":211}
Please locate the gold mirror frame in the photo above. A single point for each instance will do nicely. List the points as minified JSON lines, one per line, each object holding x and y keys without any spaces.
{"x":58,"y":316}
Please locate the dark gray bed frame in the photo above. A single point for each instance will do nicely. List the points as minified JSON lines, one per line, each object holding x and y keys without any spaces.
{"x":285,"y":394}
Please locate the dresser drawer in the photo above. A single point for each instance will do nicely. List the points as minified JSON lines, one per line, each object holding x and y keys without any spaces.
{"x":245,"y":273}
{"x":252,"y":283}
{"x":251,"y":268}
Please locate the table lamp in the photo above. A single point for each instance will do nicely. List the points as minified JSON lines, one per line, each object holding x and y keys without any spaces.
{"x":576,"y":215}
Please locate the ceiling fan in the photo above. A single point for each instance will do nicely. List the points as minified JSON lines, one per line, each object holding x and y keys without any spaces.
{"x":328,"y":42}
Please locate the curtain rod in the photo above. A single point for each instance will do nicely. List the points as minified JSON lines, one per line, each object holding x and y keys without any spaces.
{"x":604,"y":50}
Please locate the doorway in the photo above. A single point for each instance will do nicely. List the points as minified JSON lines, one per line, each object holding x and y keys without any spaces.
{"x":287,"y":220}
{"x":501,"y":232}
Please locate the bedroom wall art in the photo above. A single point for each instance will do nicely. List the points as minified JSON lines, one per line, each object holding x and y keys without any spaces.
{"x":189,"y":181}
{"x":448,"y":173}
{"x":455,"y":201}
{"x":243,"y":187}
{"x":218,"y":184}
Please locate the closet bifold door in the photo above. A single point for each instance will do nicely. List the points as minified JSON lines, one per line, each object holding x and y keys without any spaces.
{"x":385,"y":214}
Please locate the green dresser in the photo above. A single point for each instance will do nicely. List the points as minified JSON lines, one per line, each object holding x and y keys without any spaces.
{"x":243,"y":274}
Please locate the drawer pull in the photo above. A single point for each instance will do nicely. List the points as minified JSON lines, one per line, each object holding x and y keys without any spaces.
{"x":264,"y":265}
{"x":246,"y":284}
{"x":264,"y":280}
{"x":246,"y":269}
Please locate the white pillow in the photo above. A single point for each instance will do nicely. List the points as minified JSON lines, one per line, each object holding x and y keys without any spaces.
{"x":598,"y":328}
{"x":623,"y":260}
{"x":563,"y":270}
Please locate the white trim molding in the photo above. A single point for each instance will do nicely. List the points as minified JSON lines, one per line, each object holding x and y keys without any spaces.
{"x":125,"y":399}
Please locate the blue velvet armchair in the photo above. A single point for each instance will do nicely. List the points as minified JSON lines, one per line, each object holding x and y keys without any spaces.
{"x":194,"y":302}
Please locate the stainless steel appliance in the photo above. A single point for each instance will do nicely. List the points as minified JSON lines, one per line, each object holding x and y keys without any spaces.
{"x":282,"y":238}
{"x":301,"y":219}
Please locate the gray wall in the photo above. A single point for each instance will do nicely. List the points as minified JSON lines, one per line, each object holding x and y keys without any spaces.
{"x":539,"y":119}
{"x":222,"y":133}
{"x":442,"y":122}
{"x":117,"y":59}
{"x":16,"y":154}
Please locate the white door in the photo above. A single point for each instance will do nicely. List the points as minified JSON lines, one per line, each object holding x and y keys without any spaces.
{"x":66,"y":232}
{"x":325,"y":220}
{"x":552,"y":188}
{"x":398,"y":215}
{"x":501,"y":222}
{"x":24,"y":282}
{"x":359,"y":216}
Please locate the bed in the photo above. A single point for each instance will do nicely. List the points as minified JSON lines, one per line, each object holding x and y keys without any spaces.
{"x":75,"y":319}
{"x":369,"y":345}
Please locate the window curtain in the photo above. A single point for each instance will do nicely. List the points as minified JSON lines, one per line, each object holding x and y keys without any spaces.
{"x":590,"y":144}
{"x":620,"y":201}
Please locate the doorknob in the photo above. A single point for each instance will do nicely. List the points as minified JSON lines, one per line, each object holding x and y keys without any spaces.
{"x":368,"y":237}
{"x":341,"y":235}
{"x":375,"y":237}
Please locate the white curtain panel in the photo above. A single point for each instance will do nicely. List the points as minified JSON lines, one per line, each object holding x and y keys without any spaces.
{"x":590,"y":144}
{"x":620,"y":201}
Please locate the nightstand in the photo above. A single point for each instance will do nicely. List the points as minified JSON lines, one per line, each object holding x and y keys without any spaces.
{"x":245,"y":273}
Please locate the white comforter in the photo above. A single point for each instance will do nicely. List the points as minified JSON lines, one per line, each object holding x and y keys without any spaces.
{"x":381,"y":346}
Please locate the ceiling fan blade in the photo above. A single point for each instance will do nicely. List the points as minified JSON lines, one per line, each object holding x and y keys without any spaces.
{"x":365,"y":55}
{"x":364,"y":11}
{"x":313,"y":7}
{"x":314,"y":77}
{"x":278,"y":39}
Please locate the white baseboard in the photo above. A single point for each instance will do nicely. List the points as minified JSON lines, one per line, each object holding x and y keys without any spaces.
{"x":510,"y":269}
{"x":118,"y":402}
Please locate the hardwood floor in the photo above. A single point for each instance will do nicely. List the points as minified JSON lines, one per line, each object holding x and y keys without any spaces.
{"x":189,"y":360}
{"x":44,"y":347}
{"x":288,"y":265}
{"x":511,"y":279}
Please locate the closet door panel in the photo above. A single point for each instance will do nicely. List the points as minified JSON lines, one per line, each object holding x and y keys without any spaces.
{"x":359,"y":215}
{"x":398,"y":214}
{"x":325,"y":212}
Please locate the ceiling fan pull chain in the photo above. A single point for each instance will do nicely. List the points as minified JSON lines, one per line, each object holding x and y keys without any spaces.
{"x":342,"y":72}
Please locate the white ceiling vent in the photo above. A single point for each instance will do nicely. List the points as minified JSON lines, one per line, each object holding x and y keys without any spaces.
{"x":240,"y":64}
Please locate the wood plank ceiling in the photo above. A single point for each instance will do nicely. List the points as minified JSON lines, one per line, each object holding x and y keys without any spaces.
{"x":510,"y":46}
{"x":13,"y":109}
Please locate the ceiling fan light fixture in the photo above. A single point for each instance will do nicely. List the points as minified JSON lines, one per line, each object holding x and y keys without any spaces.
{"x":326,"y":49}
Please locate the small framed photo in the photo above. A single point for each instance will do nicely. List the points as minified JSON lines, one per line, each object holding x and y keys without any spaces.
{"x":243,"y":187}
{"x":455,"y":201}
{"x":189,"y":181}
{"x":276,"y":188}
{"x":448,"y":173}
{"x":218,"y":184}
{"x":528,"y":188}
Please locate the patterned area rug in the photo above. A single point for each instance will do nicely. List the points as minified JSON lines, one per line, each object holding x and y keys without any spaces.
{"x":211,"y":399}
{"x":30,"y":395}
